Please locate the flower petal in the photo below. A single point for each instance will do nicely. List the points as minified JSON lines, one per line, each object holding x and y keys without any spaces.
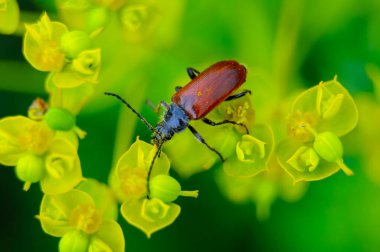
{"x":104,"y":200}
{"x":62,"y":166}
{"x":109,"y":236}
{"x":149,"y":215}
{"x":55,"y":211}
{"x":132,"y":168}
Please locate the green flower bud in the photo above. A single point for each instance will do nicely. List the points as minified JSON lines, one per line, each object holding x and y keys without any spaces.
{"x":328,"y":146}
{"x":74,"y":241}
{"x":167,"y":189}
{"x":9,"y":16}
{"x":30,"y":168}
{"x":60,"y":119}
{"x":164,"y":188}
{"x":74,"y":42}
{"x":96,"y":18}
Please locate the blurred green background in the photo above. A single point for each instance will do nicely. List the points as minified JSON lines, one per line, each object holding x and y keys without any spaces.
{"x":287,"y":46}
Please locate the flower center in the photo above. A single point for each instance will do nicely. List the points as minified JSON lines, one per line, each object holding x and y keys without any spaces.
{"x":133,"y":182}
{"x":299,"y":124}
{"x":37,"y":138}
{"x":57,"y":166}
{"x":85,"y":218}
{"x":154,"y":209}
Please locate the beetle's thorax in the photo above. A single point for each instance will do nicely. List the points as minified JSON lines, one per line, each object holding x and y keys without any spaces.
{"x":175,"y":120}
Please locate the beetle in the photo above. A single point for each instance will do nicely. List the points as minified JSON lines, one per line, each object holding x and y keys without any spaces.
{"x":194,"y":101}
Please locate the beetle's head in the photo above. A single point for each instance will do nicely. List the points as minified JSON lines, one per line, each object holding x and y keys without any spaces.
{"x":162,"y":133}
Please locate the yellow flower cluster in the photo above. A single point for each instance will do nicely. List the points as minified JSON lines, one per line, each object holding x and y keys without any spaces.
{"x":43,"y":147}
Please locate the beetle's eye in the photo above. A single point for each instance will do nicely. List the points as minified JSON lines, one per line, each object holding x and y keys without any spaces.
{"x":168,"y":115}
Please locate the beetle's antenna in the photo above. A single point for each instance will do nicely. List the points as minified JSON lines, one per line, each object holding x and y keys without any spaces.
{"x":133,"y":110}
{"x":151,"y":168}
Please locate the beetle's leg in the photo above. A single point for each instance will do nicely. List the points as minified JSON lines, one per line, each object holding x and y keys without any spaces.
{"x":177,"y":88}
{"x":200,"y":139}
{"x":157,"y":108}
{"x":236,"y":96}
{"x":157,"y":154}
{"x":192,"y":72}
{"x":208,"y":121}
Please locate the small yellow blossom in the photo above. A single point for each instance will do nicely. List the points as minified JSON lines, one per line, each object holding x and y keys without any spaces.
{"x":81,"y":221}
{"x":39,"y":154}
{"x":42,"y":44}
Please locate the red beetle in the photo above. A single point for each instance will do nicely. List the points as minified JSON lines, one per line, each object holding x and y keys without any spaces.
{"x":195,"y":100}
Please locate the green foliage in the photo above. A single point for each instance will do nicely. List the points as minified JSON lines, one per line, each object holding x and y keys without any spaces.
{"x":140,"y":49}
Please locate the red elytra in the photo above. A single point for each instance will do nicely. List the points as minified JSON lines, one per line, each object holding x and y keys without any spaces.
{"x":210,"y":88}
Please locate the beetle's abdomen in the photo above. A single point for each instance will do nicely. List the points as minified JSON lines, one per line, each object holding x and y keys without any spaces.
{"x":210,"y":88}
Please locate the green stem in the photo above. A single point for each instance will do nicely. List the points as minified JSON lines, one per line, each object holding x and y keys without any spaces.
{"x":26,"y":186}
{"x":80,"y":133}
{"x":286,"y":42}
{"x":345,"y":168}
{"x":193,"y":194}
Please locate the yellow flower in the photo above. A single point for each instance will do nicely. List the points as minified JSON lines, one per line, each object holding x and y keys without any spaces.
{"x":132,"y":169}
{"x":39,"y":154}
{"x":252,"y":153}
{"x":157,"y":212}
{"x":83,"y":69}
{"x":42,"y":44}
{"x":82,"y":218}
